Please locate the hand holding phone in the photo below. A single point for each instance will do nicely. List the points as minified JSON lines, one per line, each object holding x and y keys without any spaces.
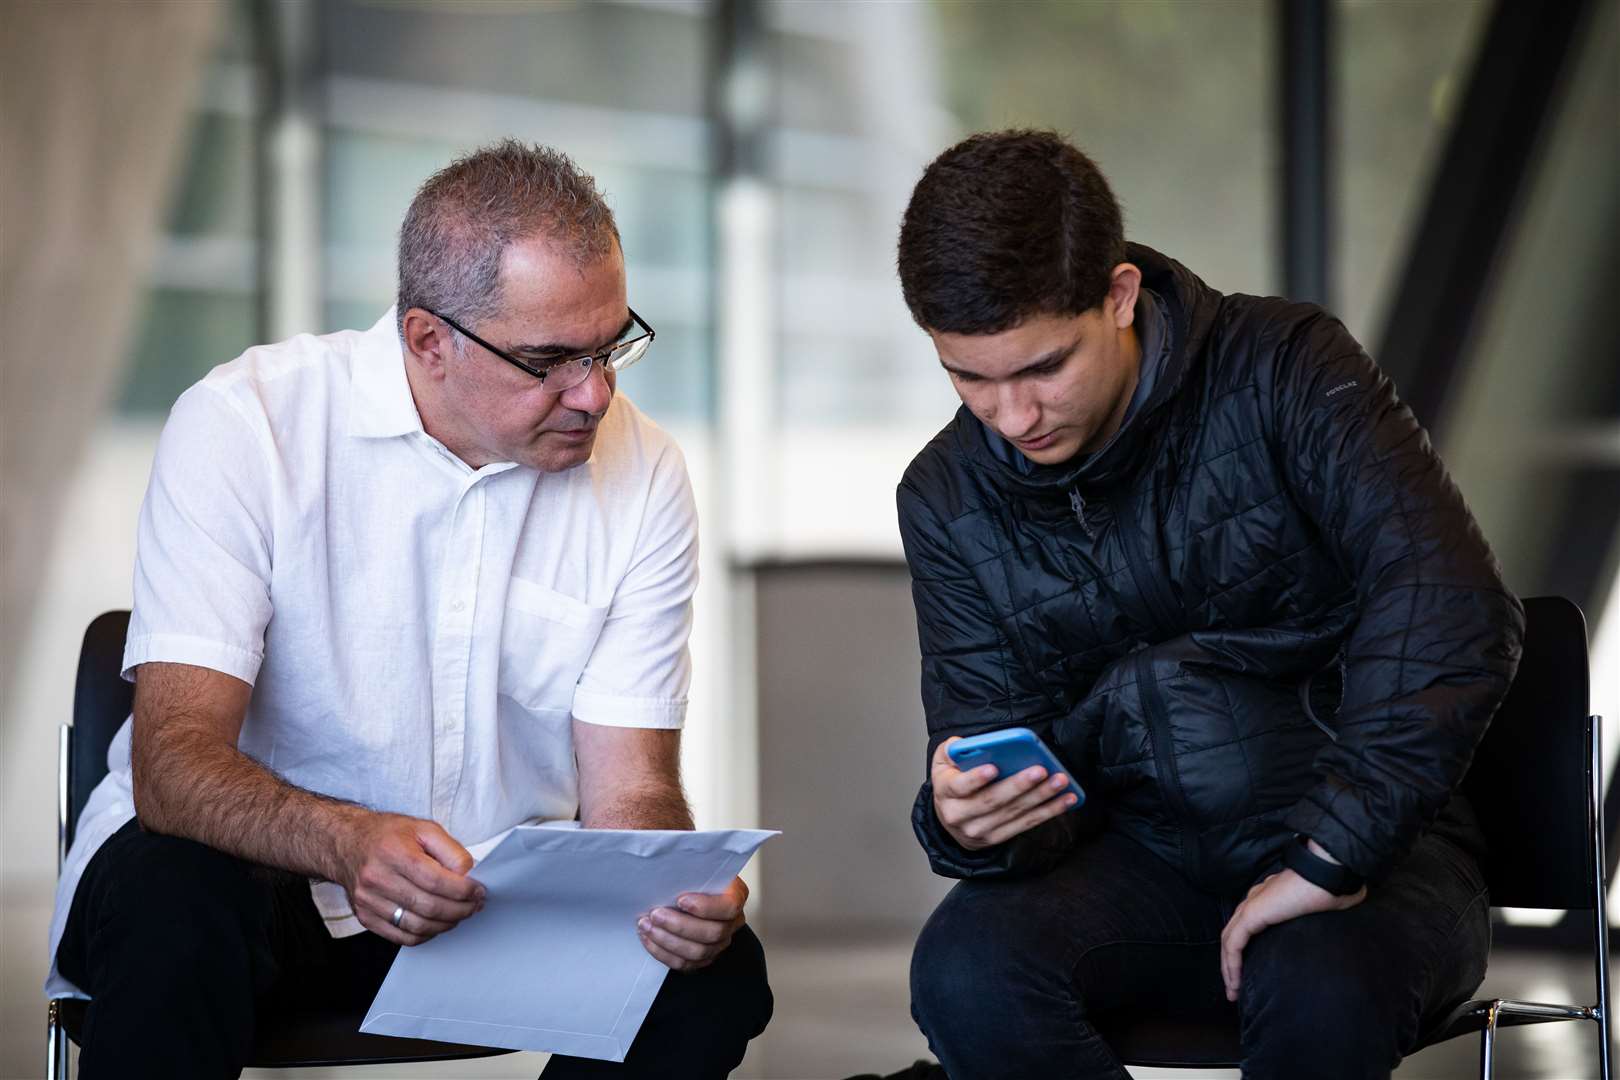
{"x":992,"y":787}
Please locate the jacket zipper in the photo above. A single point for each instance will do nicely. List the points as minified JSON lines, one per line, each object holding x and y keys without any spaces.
{"x":1078,"y":505}
{"x":1158,"y":601}
{"x":1158,"y":721}
{"x":1158,"y":718}
{"x":1310,"y":713}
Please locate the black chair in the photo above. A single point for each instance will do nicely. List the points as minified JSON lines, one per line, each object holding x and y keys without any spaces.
{"x":1537,"y":784}
{"x":101,"y":702}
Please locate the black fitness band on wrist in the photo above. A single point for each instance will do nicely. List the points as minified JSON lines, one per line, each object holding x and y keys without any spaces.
{"x":1337,"y":879}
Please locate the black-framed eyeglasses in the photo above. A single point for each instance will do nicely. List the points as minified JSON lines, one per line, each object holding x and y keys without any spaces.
{"x":560,"y":375}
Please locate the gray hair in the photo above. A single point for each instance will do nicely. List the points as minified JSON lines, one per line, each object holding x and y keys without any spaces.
{"x":464,"y":216}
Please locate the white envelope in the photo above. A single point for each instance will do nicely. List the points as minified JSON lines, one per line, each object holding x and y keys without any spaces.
{"x":553,"y":961}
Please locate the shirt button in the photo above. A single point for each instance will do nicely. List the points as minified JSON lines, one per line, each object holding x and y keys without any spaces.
{"x":458,"y":606}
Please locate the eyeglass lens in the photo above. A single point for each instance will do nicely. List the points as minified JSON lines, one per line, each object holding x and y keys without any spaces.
{"x":571,"y":373}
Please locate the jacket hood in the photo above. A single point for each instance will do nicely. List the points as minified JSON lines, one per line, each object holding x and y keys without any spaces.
{"x":1190,"y":310}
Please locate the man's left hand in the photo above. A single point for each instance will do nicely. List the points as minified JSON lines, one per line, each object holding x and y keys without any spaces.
{"x":697,"y":929}
{"x":1278,"y":898}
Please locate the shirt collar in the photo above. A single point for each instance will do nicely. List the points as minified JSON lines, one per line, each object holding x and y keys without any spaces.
{"x":380,"y":402}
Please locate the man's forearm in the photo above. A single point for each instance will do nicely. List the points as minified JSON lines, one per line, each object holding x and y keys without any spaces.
{"x":630,"y":778}
{"x":191,"y":786}
{"x":649,"y":806}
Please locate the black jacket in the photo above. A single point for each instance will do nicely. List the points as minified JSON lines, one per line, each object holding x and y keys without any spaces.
{"x":1270,"y":529}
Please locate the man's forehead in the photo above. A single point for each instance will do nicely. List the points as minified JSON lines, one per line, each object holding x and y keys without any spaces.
{"x":1006,"y":352}
{"x":562,"y":344}
{"x":547,"y":254}
{"x":555,"y":302}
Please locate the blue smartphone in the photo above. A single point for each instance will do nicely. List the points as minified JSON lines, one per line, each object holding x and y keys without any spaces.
{"x":1010,"y":750}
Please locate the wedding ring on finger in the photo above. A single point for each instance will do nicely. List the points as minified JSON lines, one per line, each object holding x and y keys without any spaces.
{"x":397,"y":917}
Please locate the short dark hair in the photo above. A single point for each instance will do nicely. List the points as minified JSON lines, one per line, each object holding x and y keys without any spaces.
{"x":464,"y":216}
{"x":1006,"y":225}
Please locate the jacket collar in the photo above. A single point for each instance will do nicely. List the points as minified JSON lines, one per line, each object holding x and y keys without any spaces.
{"x":380,"y":402}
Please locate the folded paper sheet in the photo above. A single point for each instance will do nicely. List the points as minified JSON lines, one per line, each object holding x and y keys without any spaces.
{"x":553,"y":961}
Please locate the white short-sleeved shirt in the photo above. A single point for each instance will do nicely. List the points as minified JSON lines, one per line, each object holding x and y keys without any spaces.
{"x":417,"y":633}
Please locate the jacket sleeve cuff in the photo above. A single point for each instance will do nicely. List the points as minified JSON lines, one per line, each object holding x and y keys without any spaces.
{"x":1033,"y":852}
{"x":1332,"y":877}
{"x":1311,"y":818}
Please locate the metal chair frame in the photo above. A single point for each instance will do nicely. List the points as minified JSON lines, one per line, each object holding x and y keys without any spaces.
{"x":1503,"y":1012}
{"x":56,"y":1037}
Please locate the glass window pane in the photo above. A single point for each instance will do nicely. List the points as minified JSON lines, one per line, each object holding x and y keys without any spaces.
{"x":1530,"y":436}
{"x":616,"y":56}
{"x":183,"y":334}
{"x":1402,"y":69}
{"x":1174,"y":101}
{"x":411,"y":87}
{"x":215,"y":193}
{"x":201,"y":307}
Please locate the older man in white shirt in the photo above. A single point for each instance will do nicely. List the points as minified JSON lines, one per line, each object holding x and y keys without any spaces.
{"x":395,"y":592}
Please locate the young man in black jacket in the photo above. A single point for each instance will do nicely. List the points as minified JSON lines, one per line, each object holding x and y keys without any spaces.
{"x":1199,"y":546}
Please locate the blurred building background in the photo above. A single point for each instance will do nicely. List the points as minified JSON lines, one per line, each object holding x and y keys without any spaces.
{"x":184,"y":180}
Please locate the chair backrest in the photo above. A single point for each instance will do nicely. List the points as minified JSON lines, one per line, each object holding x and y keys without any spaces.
{"x":101,"y":703}
{"x":1529,"y":780}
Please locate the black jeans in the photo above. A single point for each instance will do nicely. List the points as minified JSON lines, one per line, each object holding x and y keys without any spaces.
{"x":1009,"y":976}
{"x":182,"y":948}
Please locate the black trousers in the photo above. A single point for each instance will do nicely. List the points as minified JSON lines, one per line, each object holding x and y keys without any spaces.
{"x":182,"y":948}
{"x":1012,"y":978}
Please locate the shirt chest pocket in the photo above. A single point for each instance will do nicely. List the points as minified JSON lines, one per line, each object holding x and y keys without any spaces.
{"x":546,"y":639}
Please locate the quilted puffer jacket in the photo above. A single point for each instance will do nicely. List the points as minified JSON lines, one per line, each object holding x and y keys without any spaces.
{"x":1262,"y":609}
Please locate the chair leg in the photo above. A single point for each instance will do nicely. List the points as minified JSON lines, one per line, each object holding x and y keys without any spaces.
{"x":56,"y":1044}
{"x":1600,"y":890}
{"x":1487,"y":1042}
{"x":1605,"y":1065}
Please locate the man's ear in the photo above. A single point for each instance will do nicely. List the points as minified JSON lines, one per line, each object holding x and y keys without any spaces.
{"x":1120,"y":306}
{"x":428,"y":340}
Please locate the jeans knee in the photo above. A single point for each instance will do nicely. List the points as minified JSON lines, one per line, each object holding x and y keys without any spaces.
{"x":973,"y":950}
{"x":1313,"y":996}
{"x":940,"y":962}
{"x":724,"y":1004}
{"x":701,"y":1021}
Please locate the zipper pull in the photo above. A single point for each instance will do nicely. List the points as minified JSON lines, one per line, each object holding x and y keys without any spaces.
{"x":1310,"y":713}
{"x":1078,"y":505}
